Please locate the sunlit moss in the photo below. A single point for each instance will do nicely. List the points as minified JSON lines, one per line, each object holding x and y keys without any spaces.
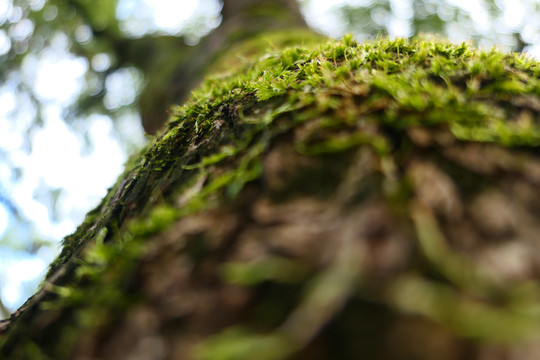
{"x":328,"y":100}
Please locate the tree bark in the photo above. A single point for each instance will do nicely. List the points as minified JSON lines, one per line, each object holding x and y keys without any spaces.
{"x":338,"y":201}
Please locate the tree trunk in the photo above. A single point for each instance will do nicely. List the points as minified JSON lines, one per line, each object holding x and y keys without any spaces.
{"x":338,"y":201}
{"x":241,"y":20}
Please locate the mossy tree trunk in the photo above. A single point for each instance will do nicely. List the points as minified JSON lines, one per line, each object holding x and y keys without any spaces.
{"x":171,"y":81}
{"x":336,"y":201}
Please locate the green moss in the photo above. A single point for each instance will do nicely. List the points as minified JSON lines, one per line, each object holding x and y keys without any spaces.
{"x":405,"y":83}
{"x":467,"y":317}
{"x":421,"y":78}
{"x":274,"y":269}
{"x":156,"y":221}
{"x":327,"y":100}
{"x":240,"y":344}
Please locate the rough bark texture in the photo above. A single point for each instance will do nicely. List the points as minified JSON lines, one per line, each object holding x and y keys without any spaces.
{"x":344,"y":201}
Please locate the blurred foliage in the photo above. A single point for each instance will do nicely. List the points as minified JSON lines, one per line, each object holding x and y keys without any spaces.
{"x":514,"y":25}
{"x":91,"y":31}
{"x":118,"y":59}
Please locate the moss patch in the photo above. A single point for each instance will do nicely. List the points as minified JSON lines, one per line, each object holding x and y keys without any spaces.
{"x":340,"y":174}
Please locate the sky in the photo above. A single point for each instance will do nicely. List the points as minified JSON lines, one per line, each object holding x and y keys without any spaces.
{"x":58,"y":159}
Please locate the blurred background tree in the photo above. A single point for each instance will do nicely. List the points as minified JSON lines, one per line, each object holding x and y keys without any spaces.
{"x":79,"y":77}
